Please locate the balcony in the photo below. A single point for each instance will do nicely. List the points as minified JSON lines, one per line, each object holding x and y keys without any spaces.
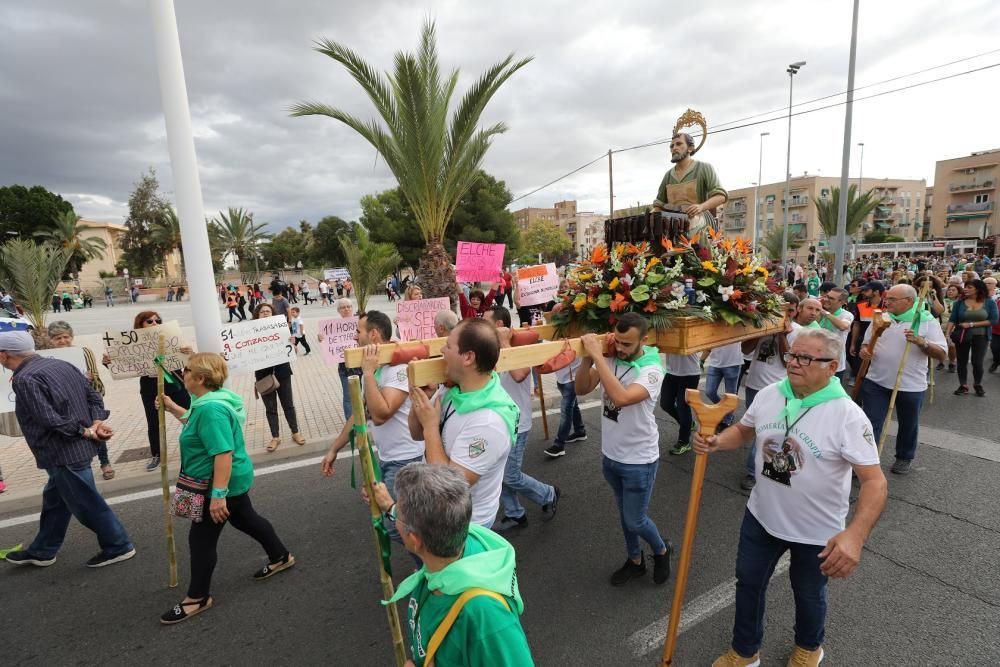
{"x":797,"y":232}
{"x":989,"y":184}
{"x":735,"y":225}
{"x":797,"y":219}
{"x":970,"y":208}
{"x":798,"y":200}
{"x":882,"y":213}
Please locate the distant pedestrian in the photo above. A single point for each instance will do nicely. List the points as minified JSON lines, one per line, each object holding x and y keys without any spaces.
{"x":56,"y":303}
{"x":67,"y":301}
{"x":109,"y":297}
{"x":233,"y":304}
{"x":180,"y":293}
{"x":299,"y":331}
{"x":170,"y":293}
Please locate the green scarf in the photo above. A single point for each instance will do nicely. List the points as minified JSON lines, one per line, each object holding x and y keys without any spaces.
{"x":231,"y":400}
{"x":489,"y":564}
{"x":826,"y":324}
{"x":812,"y":325}
{"x":832,"y":391}
{"x":911,"y":316}
{"x":650,"y":357}
{"x":491,"y":397}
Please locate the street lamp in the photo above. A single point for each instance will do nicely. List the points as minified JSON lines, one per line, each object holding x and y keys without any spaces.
{"x":756,"y":192}
{"x":861,"y":167}
{"x":792,"y":70}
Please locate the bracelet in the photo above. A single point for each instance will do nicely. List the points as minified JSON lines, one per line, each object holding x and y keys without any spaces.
{"x":390,"y":514}
{"x":219,"y":493}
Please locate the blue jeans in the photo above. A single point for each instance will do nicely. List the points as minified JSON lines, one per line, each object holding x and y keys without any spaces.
{"x":875,"y":402}
{"x":570,"y":418}
{"x":756,"y":559}
{"x":714,"y":377}
{"x":632,"y":484}
{"x":346,"y":399}
{"x":751,"y":394}
{"x":516,"y":483}
{"x":389,"y":470}
{"x":71,"y":492}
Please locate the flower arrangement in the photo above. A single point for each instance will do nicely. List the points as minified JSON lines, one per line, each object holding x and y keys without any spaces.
{"x":720,"y":280}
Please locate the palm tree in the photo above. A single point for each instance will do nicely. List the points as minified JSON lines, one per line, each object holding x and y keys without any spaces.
{"x":31,"y":273}
{"x":858,"y":209}
{"x":771,"y":244}
{"x":66,"y":233}
{"x":167,"y":233}
{"x":368,"y":262}
{"x":237,"y":233}
{"x":434,"y":158}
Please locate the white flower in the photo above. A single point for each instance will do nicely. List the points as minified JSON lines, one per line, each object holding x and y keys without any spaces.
{"x":627,"y":279}
{"x":726,"y":292}
{"x":700,"y":296}
{"x":677,"y":290}
{"x":707,"y":309}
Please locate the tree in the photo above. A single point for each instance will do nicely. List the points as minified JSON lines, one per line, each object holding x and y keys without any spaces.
{"x":66,"y":233}
{"x":24,"y":211}
{"x":435,"y":159}
{"x":238,"y":234}
{"x":141,"y":252}
{"x":543,"y":237}
{"x":858,"y":209}
{"x":326,"y":250}
{"x":31,"y":273}
{"x":166,"y":233}
{"x":771,"y":244}
{"x":369,"y":263}
{"x":879,"y":236}
{"x":287,"y":248}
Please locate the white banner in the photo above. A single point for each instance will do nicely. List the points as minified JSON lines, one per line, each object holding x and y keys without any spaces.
{"x":336,"y":274}
{"x":132,"y":351}
{"x":73,"y":355}
{"x":254,"y":344}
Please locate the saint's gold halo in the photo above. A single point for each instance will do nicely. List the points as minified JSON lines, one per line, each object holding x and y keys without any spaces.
{"x":692,"y":118}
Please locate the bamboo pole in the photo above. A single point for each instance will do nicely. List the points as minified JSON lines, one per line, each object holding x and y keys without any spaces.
{"x":164,"y":477}
{"x":709,"y":417}
{"x":368,"y":474}
{"x":541,"y":401}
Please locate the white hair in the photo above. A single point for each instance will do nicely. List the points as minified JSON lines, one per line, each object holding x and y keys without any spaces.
{"x":344,"y":302}
{"x":832,"y":345}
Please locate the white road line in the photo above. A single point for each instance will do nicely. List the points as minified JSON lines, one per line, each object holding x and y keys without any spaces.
{"x":586,"y":405}
{"x":702,"y":607}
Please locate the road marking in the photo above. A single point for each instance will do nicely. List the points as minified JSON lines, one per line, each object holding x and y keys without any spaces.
{"x":702,"y":607}
{"x":586,"y":405}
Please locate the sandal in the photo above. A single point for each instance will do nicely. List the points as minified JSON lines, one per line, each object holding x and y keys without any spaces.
{"x":107,"y":472}
{"x":298,"y":439}
{"x":273,"y":445}
{"x":272,"y":569}
{"x":177,"y":613}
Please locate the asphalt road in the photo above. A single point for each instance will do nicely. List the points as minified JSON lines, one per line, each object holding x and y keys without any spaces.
{"x":927,"y":591}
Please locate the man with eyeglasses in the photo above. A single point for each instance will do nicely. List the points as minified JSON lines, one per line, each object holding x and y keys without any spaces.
{"x":812,"y":437}
{"x":923,"y":332}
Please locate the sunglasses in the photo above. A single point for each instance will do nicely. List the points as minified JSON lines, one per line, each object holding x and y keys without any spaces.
{"x":154,"y":320}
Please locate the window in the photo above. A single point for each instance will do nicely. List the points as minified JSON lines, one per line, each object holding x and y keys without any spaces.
{"x":983,"y":198}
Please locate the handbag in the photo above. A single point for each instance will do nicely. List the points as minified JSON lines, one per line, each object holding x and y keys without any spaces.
{"x":958,"y":336}
{"x":266,"y":385}
{"x":188,"y":501}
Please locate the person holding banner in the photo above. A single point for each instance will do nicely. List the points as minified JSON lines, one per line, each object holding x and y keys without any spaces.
{"x":283,"y":374}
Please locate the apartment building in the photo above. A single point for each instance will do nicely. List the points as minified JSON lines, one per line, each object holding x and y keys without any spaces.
{"x":965,"y":197}
{"x":584,"y":228}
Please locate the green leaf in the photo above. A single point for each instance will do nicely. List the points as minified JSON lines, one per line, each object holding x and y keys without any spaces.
{"x":730,"y":317}
{"x":640,"y":294}
{"x":707,"y":281}
{"x":655,"y":278}
{"x":604,"y":301}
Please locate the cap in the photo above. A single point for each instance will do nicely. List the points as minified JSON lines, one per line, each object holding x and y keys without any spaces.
{"x":17,"y":340}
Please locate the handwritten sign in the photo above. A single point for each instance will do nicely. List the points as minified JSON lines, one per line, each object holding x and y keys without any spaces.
{"x":73,"y":355}
{"x":336,"y":274}
{"x":338,"y":335}
{"x":132,"y":351}
{"x":537,"y":284}
{"x":478,"y":261}
{"x":415,"y":319}
{"x":255,"y":344}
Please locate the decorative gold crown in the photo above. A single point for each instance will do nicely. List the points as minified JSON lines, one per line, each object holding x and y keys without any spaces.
{"x":692,"y":118}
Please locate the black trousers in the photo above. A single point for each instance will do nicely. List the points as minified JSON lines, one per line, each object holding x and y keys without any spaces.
{"x":672,"y":401}
{"x":995,"y":349}
{"x":147,"y":391}
{"x":284,"y":394}
{"x":973,"y":347}
{"x":204,"y":537}
{"x":301,"y":340}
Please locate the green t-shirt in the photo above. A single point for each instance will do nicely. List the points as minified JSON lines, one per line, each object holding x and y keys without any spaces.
{"x":812,"y":286}
{"x":485,"y":632}
{"x":212,"y":429}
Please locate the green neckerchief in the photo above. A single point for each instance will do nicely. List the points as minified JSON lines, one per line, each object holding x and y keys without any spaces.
{"x":492,"y":569}
{"x":911,"y":316}
{"x":827,"y":324}
{"x":812,"y":325}
{"x":491,"y":397}
{"x":229,"y":399}
{"x":833,"y":390}
{"x":650,"y":357}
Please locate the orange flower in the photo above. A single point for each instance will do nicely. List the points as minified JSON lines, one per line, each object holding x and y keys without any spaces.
{"x":727,"y":245}
{"x":689,"y":242}
{"x":650,"y":306}
{"x":712,"y":234}
{"x":667,"y":245}
{"x":600,"y":254}
{"x":613,"y":284}
{"x":653,"y":262}
{"x":619,"y":303}
{"x":736,"y":294}
{"x":743,"y":246}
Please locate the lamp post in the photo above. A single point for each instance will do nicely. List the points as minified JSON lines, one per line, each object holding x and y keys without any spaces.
{"x":792,"y":70}
{"x":756,"y":191}
{"x":840,"y":242}
{"x":861,"y":167}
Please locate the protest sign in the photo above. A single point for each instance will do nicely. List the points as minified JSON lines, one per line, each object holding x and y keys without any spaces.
{"x":336,"y":274}
{"x":255,"y":344}
{"x":73,"y":355}
{"x":338,"y":335}
{"x":416,"y":318}
{"x":537,"y":284}
{"x":132,"y":351}
{"x":478,"y":261}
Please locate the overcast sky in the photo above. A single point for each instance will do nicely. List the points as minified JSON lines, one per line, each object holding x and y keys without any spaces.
{"x":80,"y":106}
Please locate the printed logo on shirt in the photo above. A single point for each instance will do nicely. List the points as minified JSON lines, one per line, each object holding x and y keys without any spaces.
{"x":477,"y":448}
{"x":869,"y":436}
{"x":412,"y":613}
{"x":782,"y":459}
{"x":611,"y":410}
{"x":654,"y":378}
{"x":401,"y":375}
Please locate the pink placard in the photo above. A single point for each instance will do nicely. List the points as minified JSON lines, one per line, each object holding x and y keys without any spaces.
{"x":478,"y":261}
{"x":415,"y":319}
{"x":338,"y":335}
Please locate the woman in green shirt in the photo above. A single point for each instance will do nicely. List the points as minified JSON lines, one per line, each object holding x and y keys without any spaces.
{"x":212,"y":448}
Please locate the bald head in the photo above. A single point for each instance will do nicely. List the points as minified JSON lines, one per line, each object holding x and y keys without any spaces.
{"x":900,"y":298}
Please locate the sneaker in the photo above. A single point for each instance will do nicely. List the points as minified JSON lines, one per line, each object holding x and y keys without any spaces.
{"x":102,"y":559}
{"x":994,"y":366}
{"x":25,"y":558}
{"x":733,"y":659}
{"x":800,"y":657}
{"x":980,"y":392}
{"x":962,"y":391}
{"x":272,"y":569}
{"x":661,"y":566}
{"x":901,"y":466}
{"x":628,"y":571}
{"x":940,"y":366}
{"x":506,"y":523}
{"x":748,"y":482}
{"x":680,"y":448}
{"x":578,"y":437}
{"x":555,"y":451}
{"x":153,"y":464}
{"x":952,"y":368}
{"x":549,"y":511}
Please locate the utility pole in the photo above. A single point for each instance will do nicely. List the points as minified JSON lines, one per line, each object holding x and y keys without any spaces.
{"x":792,"y":70}
{"x":611,"y":189}
{"x":845,"y":164}
{"x":756,"y":191}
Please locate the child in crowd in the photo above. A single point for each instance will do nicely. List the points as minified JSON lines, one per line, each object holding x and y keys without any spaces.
{"x":299,"y":331}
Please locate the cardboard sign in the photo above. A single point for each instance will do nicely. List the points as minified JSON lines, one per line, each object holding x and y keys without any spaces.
{"x":73,"y":355}
{"x":255,"y":344}
{"x":336,"y":274}
{"x":478,"y":261}
{"x":132,"y":351}
{"x":415,"y":319}
{"x":537,"y":284}
{"x":338,"y":335}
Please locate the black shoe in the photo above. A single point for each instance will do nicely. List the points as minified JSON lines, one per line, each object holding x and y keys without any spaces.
{"x":153,"y":464}
{"x":901,"y":466}
{"x":748,"y":482}
{"x":980,"y":392}
{"x":628,"y":571}
{"x":661,"y":566}
{"x":952,"y":368}
{"x":994,"y":366}
{"x":177,"y":613}
{"x":962,"y":391}
{"x":506,"y":523}
{"x":940,"y":366}
{"x":24,"y":558}
{"x":577,"y":437}
{"x":549,"y":511}
{"x":102,"y":559}
{"x":272,"y":569}
{"x":555,"y":451}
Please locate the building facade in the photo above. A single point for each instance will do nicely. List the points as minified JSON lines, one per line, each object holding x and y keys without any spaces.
{"x":965,"y":197}
{"x":584,"y":228}
{"x":112,"y":233}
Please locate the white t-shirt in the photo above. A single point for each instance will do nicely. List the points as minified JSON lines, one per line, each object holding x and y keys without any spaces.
{"x":804,"y":480}
{"x":725,"y":356}
{"x":568,"y":374}
{"x":297,"y":326}
{"x":629,"y":434}
{"x":889,"y":352}
{"x":478,"y":441}
{"x":393,"y":437}
{"x":766,"y":366}
{"x":843,"y":315}
{"x":324,"y":288}
{"x":683,"y":365}
{"x":521,"y":393}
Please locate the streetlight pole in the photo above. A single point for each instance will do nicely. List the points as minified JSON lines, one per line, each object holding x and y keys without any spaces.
{"x":861,"y":167}
{"x":756,"y":191}
{"x":845,"y":163}
{"x":792,"y":70}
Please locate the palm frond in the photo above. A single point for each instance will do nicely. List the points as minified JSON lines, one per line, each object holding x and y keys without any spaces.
{"x":31,"y":273}
{"x":368,"y":263}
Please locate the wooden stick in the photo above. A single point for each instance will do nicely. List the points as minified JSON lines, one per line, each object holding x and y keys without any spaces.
{"x":164,"y":477}
{"x":709,"y":417}
{"x":541,"y":401}
{"x":368,"y":473}
{"x":930,"y":372}
{"x":880,"y":320}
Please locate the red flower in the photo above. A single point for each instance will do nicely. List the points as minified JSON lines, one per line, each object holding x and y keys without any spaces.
{"x":704,"y":253}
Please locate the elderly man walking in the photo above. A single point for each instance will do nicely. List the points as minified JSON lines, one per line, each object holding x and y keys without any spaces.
{"x":62,"y":418}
